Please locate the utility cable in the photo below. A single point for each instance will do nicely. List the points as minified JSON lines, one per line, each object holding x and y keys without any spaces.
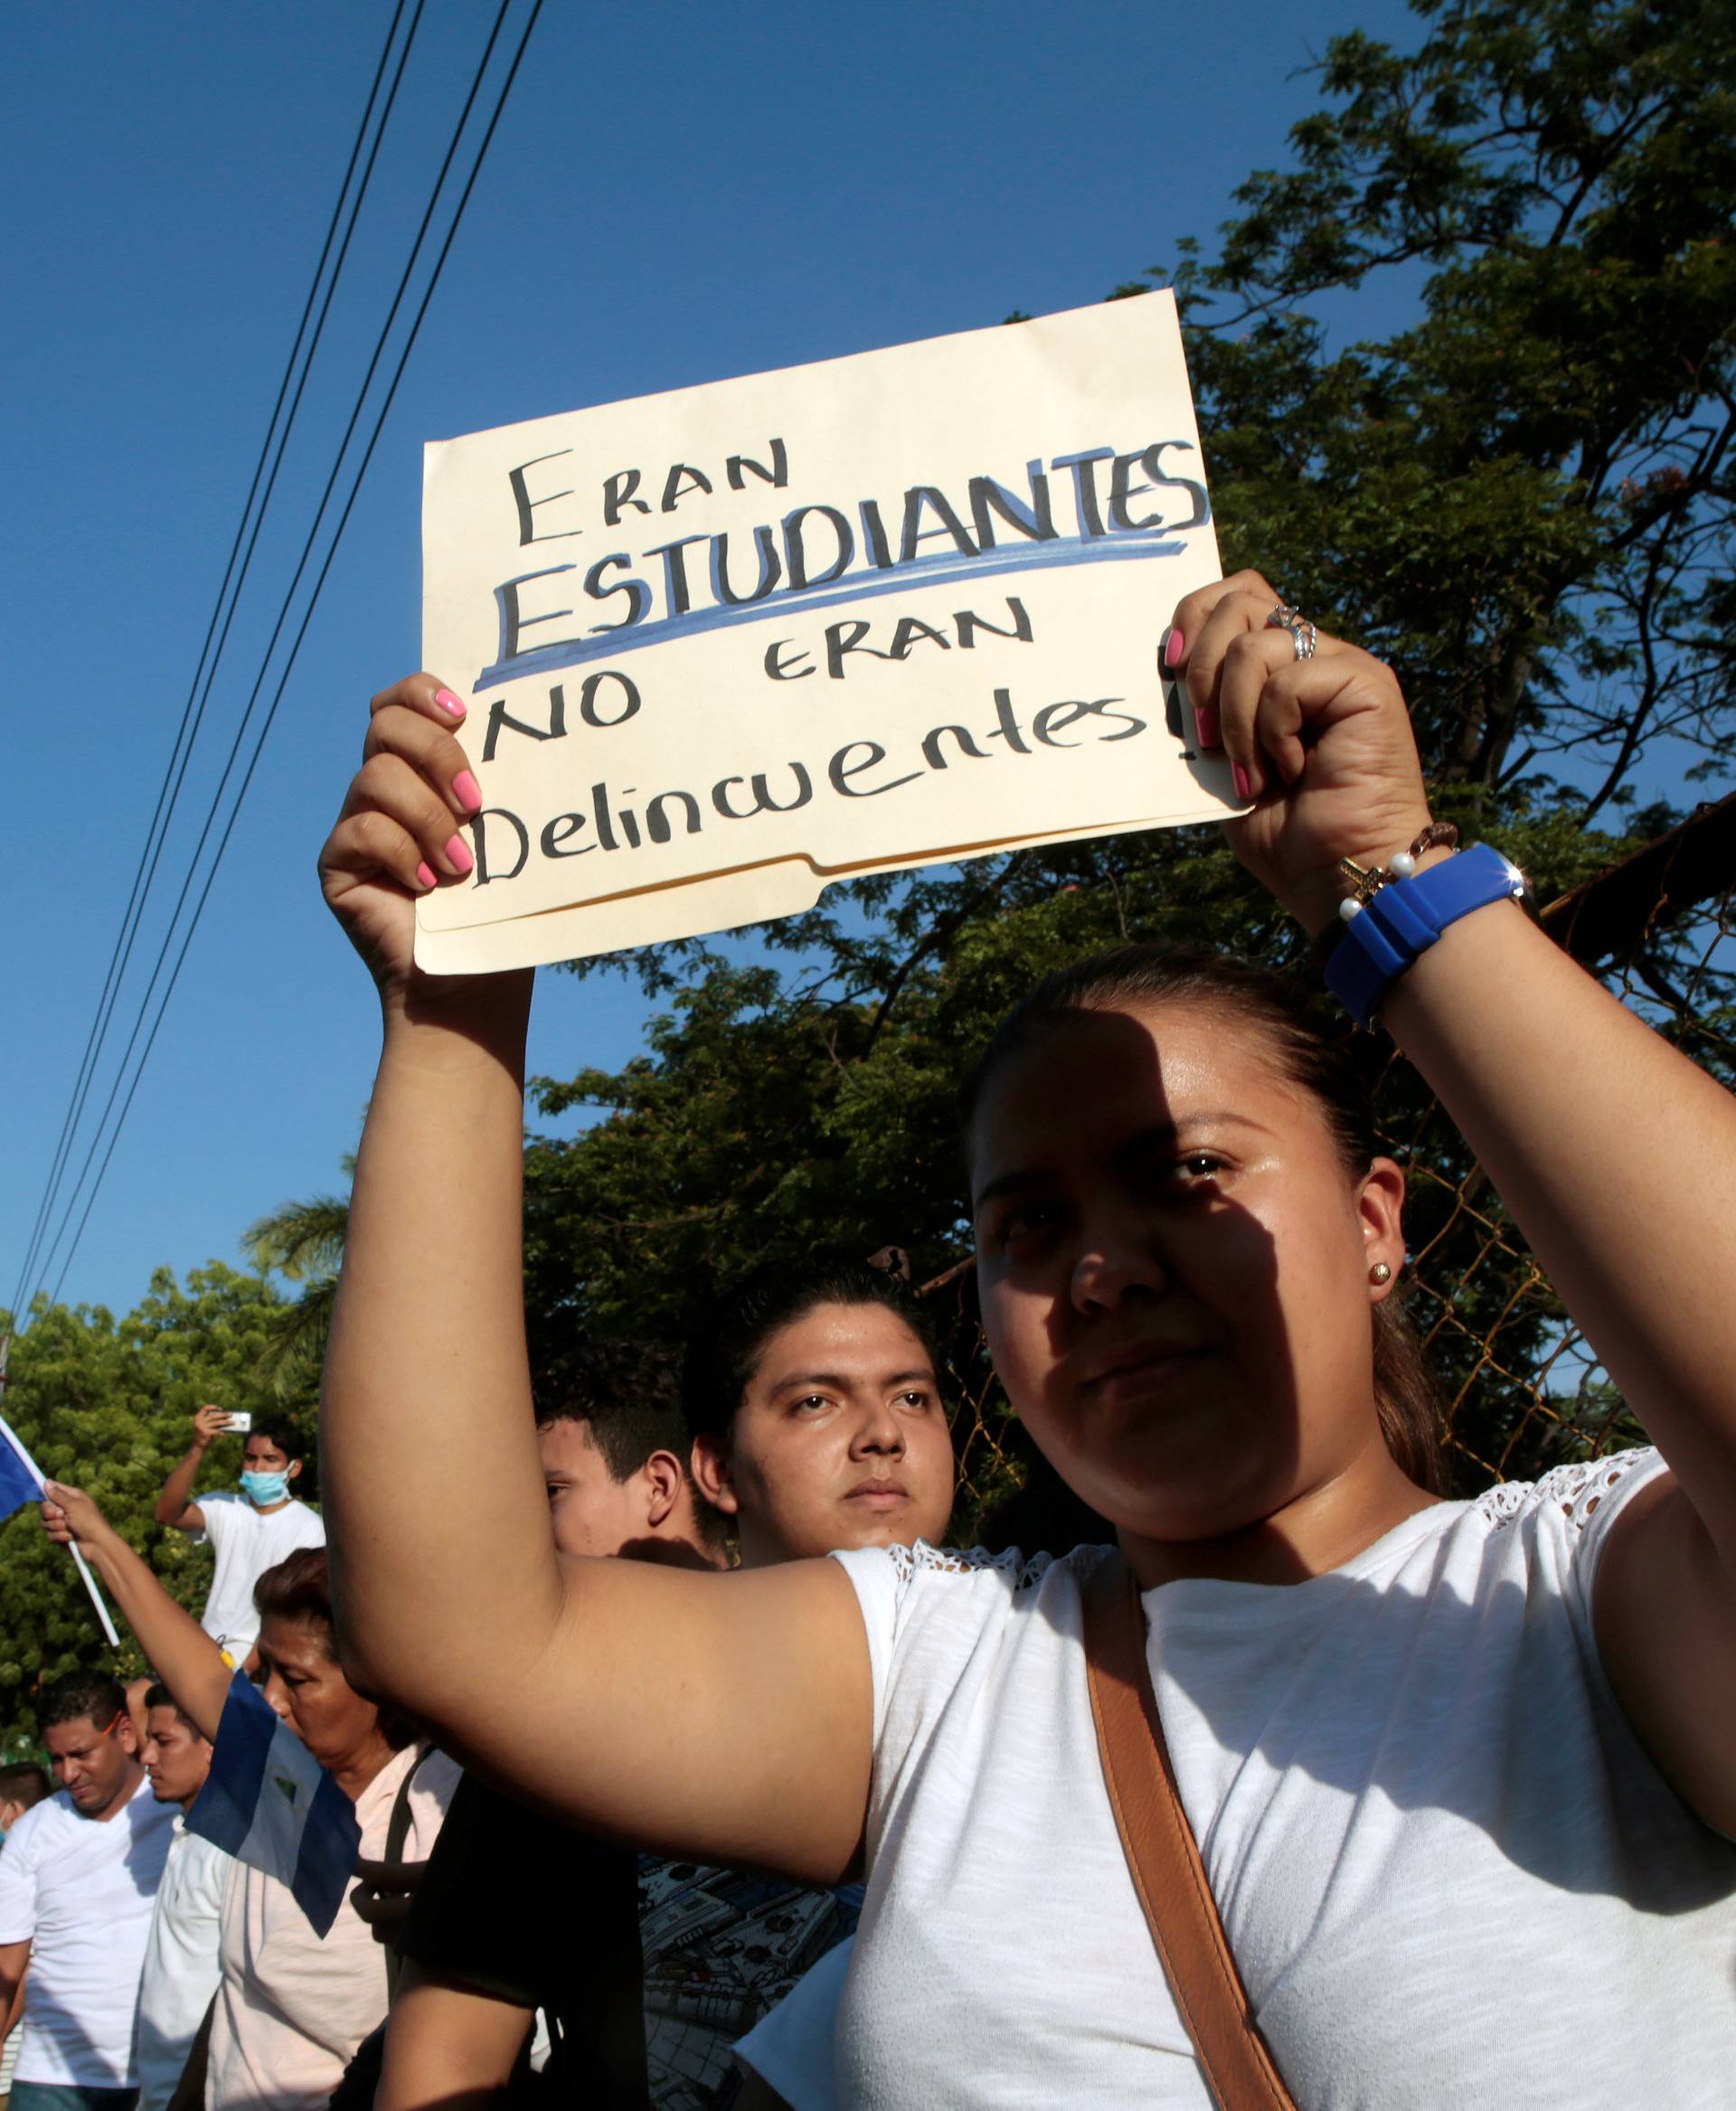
{"x":512,"y":73}
{"x":192,"y":713}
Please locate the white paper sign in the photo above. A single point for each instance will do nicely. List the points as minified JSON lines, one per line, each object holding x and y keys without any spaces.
{"x":724,"y":646}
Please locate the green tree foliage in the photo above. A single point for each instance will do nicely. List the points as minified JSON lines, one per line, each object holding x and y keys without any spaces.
{"x":1523,"y":498}
{"x":108,"y":1404}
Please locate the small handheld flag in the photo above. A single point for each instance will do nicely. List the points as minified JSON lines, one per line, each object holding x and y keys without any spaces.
{"x":270,"y":1804}
{"x":21,"y":1482}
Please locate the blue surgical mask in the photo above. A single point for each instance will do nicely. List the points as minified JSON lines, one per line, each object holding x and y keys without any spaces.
{"x":262,"y":1490}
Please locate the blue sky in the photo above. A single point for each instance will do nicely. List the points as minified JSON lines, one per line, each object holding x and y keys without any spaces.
{"x":674,"y":193}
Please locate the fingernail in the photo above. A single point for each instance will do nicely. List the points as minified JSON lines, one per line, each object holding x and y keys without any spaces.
{"x":468,"y":790}
{"x":1239,"y":777}
{"x":457,"y":855}
{"x":452,"y":705}
{"x":1174,"y":644}
{"x":425,"y":875}
{"x":1205,"y":718}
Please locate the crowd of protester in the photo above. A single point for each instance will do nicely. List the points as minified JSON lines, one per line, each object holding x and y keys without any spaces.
{"x":664,"y":1755}
{"x":808,"y":1417}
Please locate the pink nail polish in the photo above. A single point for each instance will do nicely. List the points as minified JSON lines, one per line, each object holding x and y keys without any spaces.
{"x":1239,"y":777}
{"x":457,"y":855}
{"x":468,"y":790}
{"x":1174,"y":644}
{"x":451,"y":705}
{"x":425,"y":875}
{"x":1205,"y":718}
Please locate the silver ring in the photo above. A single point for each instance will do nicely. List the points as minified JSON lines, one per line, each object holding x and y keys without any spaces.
{"x":1304,"y":636}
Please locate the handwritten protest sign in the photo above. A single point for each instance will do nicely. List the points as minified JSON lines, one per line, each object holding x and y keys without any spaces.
{"x":726,"y":645}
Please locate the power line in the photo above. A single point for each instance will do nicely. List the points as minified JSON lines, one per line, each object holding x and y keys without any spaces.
{"x":193,"y":711}
{"x":464,"y":199}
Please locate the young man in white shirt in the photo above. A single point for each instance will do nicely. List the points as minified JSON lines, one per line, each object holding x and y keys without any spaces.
{"x":78,"y":1881}
{"x":182,"y":1960}
{"x":250,"y":1532}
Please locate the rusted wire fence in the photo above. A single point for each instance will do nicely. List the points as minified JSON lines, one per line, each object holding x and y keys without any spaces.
{"x":1524,"y":1388}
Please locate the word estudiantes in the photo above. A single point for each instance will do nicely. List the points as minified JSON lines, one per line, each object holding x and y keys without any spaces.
{"x":820,"y":555}
{"x":858,"y":770}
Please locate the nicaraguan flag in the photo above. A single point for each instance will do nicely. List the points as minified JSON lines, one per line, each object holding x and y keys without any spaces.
{"x":270,"y":1804}
{"x":19,"y":1483}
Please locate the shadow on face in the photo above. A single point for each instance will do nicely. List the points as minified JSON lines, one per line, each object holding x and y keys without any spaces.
{"x":1172,"y":1264}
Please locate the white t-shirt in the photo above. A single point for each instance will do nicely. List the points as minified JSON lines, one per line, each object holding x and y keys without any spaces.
{"x":79,"y":1891}
{"x":1450,"y":1873}
{"x":248,"y":1543}
{"x":292,"y":2008}
{"x":790,"y":2048}
{"x":181,"y":1966}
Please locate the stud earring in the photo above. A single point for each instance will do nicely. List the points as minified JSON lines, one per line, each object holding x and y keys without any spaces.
{"x":1379,"y":1272}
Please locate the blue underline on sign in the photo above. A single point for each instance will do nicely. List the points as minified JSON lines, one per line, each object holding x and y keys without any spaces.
{"x":919,"y":571}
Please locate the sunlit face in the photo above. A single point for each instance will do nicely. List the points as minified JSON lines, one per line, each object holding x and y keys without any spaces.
{"x":588,"y":1510}
{"x":98,"y":1767}
{"x":840,"y":1440}
{"x":176,"y":1758}
{"x":1174,"y":1268}
{"x":302,"y":1681}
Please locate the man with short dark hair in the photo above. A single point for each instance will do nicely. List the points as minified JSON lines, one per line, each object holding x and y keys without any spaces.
{"x":516,"y":1912}
{"x":23,"y":1785}
{"x":250,"y":1532}
{"x":182,"y":1964}
{"x":77,"y":1884}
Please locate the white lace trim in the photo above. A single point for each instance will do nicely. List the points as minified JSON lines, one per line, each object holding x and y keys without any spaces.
{"x":909,"y":1562}
{"x":1575,"y":1491}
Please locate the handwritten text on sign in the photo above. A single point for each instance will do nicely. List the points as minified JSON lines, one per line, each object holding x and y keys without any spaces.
{"x":843,"y":617}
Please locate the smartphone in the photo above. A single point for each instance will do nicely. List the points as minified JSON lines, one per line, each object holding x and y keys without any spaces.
{"x":240,"y":1422}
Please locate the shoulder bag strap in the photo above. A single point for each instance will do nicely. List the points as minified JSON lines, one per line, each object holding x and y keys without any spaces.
{"x":1163,"y":1856}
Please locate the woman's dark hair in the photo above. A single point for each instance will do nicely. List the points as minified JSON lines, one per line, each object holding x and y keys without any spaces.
{"x":1313,"y":1053}
{"x":729,"y":1337}
{"x":300,"y":1587}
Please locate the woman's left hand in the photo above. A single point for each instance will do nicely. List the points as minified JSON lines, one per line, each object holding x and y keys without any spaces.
{"x":1322,"y":746}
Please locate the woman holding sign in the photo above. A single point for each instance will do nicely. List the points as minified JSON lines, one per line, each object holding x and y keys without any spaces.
{"x":1455,"y":1769}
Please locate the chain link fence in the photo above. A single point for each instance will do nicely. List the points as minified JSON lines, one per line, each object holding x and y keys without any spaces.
{"x":1524,"y":1388}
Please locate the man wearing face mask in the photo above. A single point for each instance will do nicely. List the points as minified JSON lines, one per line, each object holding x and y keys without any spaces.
{"x":250,"y":1532}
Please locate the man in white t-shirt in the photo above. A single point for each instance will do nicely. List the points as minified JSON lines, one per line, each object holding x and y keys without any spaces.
{"x":78,"y":1882}
{"x":182,"y":1964}
{"x":250,"y":1532}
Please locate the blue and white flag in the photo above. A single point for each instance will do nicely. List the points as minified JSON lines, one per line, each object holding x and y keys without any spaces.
{"x":21,"y":1482}
{"x":18,"y":1484}
{"x":270,"y":1804}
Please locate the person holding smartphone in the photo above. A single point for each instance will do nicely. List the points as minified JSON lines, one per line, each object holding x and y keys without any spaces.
{"x":250,"y":1531}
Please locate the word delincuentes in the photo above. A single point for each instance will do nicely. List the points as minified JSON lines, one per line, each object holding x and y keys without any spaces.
{"x":858,"y":770}
{"x":817,"y":554}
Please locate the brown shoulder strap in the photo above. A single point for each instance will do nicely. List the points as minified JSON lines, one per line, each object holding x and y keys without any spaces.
{"x":1163,"y":1855}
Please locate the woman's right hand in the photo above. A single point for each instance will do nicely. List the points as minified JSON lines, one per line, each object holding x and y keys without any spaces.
{"x":397,"y":836}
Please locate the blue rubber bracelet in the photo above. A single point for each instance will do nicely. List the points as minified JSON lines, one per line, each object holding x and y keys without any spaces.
{"x":1403,"y":920}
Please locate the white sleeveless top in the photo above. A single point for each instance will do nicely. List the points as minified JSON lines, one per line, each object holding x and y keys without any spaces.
{"x":1450,"y":1874}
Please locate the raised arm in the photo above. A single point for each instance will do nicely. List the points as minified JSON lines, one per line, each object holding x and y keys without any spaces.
{"x":1615,"y":1153}
{"x":173,"y":1505}
{"x":728,"y":1718}
{"x":180,"y":1652}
